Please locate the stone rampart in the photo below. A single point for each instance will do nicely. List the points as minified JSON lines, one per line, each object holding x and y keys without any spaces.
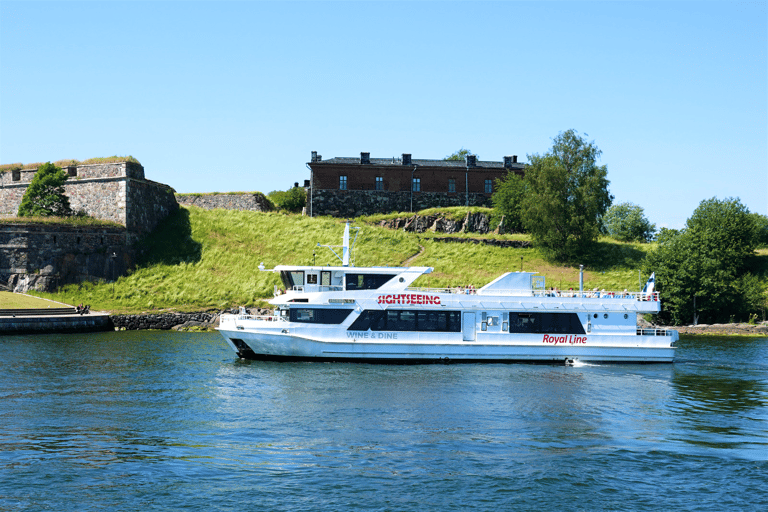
{"x":353,"y":203}
{"x":45,"y":256}
{"x":249,"y":201}
{"x":117,"y":192}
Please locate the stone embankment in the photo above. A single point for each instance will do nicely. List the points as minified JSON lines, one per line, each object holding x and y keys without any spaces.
{"x":175,"y":321}
{"x":737,"y":329}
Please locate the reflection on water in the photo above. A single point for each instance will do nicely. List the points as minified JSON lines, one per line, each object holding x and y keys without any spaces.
{"x":122,"y":420}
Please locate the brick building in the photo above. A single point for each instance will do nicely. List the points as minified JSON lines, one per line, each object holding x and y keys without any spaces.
{"x":350,"y":186}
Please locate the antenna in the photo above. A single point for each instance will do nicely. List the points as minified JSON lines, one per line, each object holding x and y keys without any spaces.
{"x":346,"y":248}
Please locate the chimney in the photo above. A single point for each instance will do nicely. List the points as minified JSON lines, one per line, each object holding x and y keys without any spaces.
{"x":406,"y":159}
{"x":514,"y":159}
{"x":295,"y":184}
{"x":365,"y":158}
{"x":314,"y":156}
{"x":306,"y":183}
{"x":471,"y":160}
{"x":507,"y":162}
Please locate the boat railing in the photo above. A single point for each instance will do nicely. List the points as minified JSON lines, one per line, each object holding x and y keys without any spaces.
{"x":263,"y":318}
{"x":654,"y":332}
{"x":593,"y":294}
{"x":331,"y":288}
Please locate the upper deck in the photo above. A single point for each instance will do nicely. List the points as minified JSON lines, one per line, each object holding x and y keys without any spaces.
{"x":319,"y":284}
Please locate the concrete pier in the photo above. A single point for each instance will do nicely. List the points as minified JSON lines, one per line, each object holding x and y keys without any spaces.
{"x":47,"y":323}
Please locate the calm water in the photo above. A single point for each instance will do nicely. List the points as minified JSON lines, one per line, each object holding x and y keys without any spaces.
{"x":169,"y":421}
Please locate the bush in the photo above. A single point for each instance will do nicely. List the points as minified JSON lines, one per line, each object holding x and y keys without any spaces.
{"x":292,"y":200}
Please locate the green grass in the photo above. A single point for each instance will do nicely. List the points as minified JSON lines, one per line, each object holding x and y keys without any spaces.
{"x":75,"y":220}
{"x":10,"y":300}
{"x":199,"y":259}
{"x":68,"y":162}
{"x":455,"y":213}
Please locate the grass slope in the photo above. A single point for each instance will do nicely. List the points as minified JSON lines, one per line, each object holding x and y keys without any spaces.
{"x":201,"y":259}
{"x":9,"y":300}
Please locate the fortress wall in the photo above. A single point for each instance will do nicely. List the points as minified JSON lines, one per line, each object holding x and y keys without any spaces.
{"x":239,"y":201}
{"x":116,"y":192}
{"x":45,"y":256}
{"x":146,"y":204}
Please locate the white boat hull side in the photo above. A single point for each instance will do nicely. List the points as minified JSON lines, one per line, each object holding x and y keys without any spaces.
{"x":276,"y":345}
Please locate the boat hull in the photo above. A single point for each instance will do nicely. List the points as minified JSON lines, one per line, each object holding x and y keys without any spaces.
{"x":288,"y":346}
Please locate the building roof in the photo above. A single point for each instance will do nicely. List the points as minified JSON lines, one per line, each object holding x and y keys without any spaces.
{"x":420,"y":162}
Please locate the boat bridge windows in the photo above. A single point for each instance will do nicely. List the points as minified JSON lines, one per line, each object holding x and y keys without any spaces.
{"x":292,"y":278}
{"x":408,"y":320}
{"x":366,"y":281}
{"x":535,"y":323}
{"x":319,"y":315}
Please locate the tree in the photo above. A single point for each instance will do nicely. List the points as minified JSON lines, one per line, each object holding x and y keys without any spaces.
{"x":459,"y":155}
{"x":45,"y":194}
{"x":508,"y":200}
{"x":761,"y":229}
{"x":293,"y":200}
{"x":627,"y":223}
{"x":567,"y":197}
{"x":702,"y":271}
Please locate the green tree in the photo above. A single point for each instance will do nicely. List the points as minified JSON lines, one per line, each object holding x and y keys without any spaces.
{"x":508,"y":200}
{"x":459,"y":155}
{"x":567,"y":196}
{"x":45,"y":194}
{"x":626,"y":222}
{"x":761,"y":229}
{"x":702,"y":271}
{"x":293,"y":199}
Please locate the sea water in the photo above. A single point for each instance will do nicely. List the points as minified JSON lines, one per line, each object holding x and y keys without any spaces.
{"x":170,"y":421}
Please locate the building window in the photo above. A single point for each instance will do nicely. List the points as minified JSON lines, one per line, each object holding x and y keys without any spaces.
{"x":489,"y":186}
{"x":379,"y":183}
{"x":451,"y":185}
{"x":416,"y":187}
{"x":342,"y":183}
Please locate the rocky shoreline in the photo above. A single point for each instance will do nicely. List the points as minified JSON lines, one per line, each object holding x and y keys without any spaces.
{"x":200,"y":320}
{"x":740,"y":329}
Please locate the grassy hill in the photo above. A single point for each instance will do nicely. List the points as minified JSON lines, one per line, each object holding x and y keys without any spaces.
{"x":201,"y":259}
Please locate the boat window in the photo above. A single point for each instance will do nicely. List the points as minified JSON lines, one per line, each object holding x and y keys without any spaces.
{"x":366,"y":281}
{"x":565,"y":323}
{"x":408,"y":320}
{"x":292,"y":278}
{"x":311,"y":278}
{"x":325,"y":278}
{"x":319,"y":315}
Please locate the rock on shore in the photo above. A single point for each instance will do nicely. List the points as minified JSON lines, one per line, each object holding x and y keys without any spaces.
{"x":176,"y":321}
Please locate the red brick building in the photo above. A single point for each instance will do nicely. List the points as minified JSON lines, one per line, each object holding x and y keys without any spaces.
{"x":350,"y":186}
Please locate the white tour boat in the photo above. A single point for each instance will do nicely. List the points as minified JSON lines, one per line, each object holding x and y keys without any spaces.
{"x":348,"y":313}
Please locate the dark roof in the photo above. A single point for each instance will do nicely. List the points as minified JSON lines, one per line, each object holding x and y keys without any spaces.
{"x":461,"y":164}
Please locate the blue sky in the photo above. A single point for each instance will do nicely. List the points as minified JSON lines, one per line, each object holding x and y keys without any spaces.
{"x":217,"y":96}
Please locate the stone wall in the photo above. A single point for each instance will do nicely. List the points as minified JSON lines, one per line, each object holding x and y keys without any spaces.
{"x":163,"y":321}
{"x":45,"y":256}
{"x":255,"y":202}
{"x":147,"y":203}
{"x":353,"y":203}
{"x":116,"y":192}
